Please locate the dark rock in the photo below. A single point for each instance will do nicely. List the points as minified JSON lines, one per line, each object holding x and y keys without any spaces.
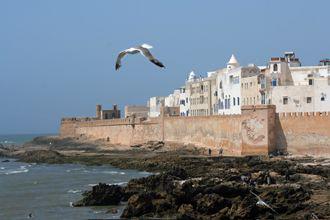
{"x":136,"y":146}
{"x":5,"y":161}
{"x":41,"y":156}
{"x":161,"y":182}
{"x":100,"y":195}
{"x":139,"y":204}
{"x":186,"y":211}
{"x":211,"y":203}
{"x":177,"y":172}
{"x":228,"y":189}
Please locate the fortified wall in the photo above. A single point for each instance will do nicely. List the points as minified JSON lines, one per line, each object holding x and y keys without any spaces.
{"x":303,"y":133}
{"x":257,"y":131}
{"x":248,"y":133}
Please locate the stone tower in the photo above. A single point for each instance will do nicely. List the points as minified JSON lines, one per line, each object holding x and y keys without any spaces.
{"x":98,"y":111}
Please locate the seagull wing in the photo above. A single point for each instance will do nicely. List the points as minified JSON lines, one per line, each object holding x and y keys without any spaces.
{"x":120,"y":56}
{"x":145,"y":52}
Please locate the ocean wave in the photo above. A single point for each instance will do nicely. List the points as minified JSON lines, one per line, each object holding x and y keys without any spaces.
{"x":16,"y":171}
{"x":2,"y":168}
{"x":110,"y":172}
{"x":120,"y":183}
{"x":7,"y":142}
{"x":74,"y":191}
{"x":75,"y":169}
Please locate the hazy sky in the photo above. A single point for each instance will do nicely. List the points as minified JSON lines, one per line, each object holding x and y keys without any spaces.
{"x":57,"y":57}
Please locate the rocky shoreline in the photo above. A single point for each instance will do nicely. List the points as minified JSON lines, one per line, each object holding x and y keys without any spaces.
{"x":190,"y":185}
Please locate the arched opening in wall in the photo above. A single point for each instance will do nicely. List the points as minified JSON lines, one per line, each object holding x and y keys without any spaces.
{"x":275,"y":67}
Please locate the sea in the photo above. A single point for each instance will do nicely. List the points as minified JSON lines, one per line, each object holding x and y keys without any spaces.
{"x":45,"y":191}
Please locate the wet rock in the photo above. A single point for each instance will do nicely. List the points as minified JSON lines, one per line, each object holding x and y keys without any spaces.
{"x":5,"y":161}
{"x":41,"y":156}
{"x":100,"y":195}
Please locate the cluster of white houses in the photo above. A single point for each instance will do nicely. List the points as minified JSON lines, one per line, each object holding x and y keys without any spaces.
{"x":283,"y":82}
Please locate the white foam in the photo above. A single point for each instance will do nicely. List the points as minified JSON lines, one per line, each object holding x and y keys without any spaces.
{"x":74,"y":191}
{"x":17,"y":171}
{"x":92,"y":184}
{"x":119,"y":184}
{"x":2,"y":168}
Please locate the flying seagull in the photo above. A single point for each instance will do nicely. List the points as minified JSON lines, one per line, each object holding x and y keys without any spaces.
{"x":262,"y":203}
{"x":143,"y":49}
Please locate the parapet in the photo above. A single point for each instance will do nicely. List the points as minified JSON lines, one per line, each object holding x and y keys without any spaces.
{"x":303,"y":114}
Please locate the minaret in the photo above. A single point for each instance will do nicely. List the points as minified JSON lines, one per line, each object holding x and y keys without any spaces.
{"x":232,"y":63}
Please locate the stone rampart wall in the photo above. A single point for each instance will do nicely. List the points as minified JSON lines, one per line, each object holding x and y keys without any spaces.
{"x":246,"y":134}
{"x":304,"y":133}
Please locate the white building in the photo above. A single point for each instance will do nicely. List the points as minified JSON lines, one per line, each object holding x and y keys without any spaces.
{"x":314,"y":97}
{"x":296,"y":88}
{"x":173,"y":100}
{"x":155,"y":104}
{"x":229,"y":89}
{"x":184,"y":101}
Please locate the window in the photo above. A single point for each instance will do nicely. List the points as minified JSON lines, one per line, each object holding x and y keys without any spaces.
{"x":237,"y":100}
{"x":231,"y":77}
{"x":322,"y":98}
{"x":220,"y":85}
{"x":242,"y":85}
{"x":309,"y":99}
{"x":274,"y":82}
{"x":263,"y":99}
{"x":234,"y":101}
{"x":310,"y":82}
{"x":250,"y":84}
{"x":254,"y":100}
{"x":285,"y":100}
{"x":275,"y":67}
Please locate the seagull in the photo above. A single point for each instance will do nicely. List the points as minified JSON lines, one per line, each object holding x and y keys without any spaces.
{"x":143,"y":49}
{"x":262,"y":203}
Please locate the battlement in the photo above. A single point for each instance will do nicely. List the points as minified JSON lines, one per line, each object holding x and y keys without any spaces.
{"x":302,"y":114}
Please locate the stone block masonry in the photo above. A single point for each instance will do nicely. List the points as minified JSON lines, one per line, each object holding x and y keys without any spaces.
{"x":245,"y":134}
